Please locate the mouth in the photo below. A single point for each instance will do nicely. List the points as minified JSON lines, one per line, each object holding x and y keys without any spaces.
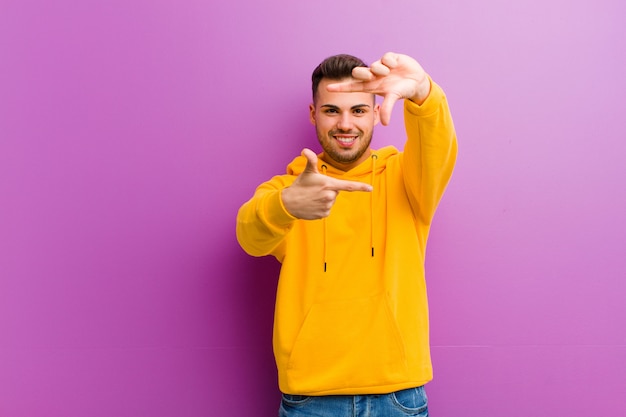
{"x":346,"y":141}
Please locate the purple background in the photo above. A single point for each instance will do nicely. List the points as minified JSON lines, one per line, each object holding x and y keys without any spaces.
{"x":131,"y":131}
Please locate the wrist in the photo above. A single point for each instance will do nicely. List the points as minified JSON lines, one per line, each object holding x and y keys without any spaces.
{"x":285,"y":203}
{"x":422,"y":93}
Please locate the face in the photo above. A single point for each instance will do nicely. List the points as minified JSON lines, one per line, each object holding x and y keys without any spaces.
{"x":344,"y":123}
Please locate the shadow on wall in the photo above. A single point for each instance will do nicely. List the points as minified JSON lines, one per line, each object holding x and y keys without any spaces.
{"x":249,"y":296}
{"x":255,"y":294}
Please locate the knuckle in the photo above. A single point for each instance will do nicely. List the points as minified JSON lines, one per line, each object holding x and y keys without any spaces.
{"x":329,"y":196}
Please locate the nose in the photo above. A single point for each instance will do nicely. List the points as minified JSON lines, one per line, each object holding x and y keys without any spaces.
{"x":345,"y":121}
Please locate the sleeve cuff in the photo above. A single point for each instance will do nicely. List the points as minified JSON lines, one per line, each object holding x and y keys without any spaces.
{"x":430,"y":105}
{"x":277,"y":212}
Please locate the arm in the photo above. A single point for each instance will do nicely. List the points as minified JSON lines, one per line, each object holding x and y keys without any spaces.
{"x":430,"y":151}
{"x":263,"y":222}
{"x":266,"y":219}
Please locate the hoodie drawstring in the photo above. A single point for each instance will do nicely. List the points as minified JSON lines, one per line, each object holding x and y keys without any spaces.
{"x":324,"y":227}
{"x":324,"y":169}
{"x":374,"y":158}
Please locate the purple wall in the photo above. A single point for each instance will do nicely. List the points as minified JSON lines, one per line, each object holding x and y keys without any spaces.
{"x":131,"y":131}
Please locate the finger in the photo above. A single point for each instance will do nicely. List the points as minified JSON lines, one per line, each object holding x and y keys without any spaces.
{"x":379,"y":69}
{"x":386,"y":108}
{"x":362,"y":74}
{"x":346,"y":87}
{"x":343,"y":185}
{"x":390,"y":59}
{"x":311,"y":161}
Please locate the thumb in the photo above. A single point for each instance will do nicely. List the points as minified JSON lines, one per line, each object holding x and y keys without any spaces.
{"x":387,"y":107}
{"x":311,"y":161}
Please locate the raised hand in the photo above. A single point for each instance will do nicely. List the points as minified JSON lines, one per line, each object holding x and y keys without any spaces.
{"x":312,"y":195}
{"x":394,"y":77}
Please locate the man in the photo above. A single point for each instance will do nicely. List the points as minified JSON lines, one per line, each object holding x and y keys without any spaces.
{"x":350,"y":227}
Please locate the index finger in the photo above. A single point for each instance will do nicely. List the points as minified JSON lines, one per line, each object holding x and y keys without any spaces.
{"x":346,"y":87}
{"x":344,"y":185}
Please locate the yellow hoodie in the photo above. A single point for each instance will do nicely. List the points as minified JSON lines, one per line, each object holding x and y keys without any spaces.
{"x":351,"y":309}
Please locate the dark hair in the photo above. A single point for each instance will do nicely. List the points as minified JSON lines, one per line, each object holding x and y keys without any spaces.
{"x":336,"y":67}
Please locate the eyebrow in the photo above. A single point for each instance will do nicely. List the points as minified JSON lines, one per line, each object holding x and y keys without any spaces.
{"x":356,"y":106}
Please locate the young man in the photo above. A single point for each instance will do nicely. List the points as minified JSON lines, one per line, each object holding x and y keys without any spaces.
{"x":350,"y":227}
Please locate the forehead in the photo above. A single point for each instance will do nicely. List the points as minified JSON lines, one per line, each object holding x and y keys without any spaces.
{"x":340,"y":99}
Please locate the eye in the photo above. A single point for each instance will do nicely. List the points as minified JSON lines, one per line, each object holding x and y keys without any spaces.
{"x":359,"y":111}
{"x":330,"y":111}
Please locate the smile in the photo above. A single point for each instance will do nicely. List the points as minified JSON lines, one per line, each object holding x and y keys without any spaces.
{"x":346,"y":140}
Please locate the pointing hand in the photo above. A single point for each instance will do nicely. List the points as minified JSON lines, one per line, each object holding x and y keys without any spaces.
{"x":312,"y":195}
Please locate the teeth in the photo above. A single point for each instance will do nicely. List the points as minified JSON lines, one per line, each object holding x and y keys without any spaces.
{"x":346,"y":140}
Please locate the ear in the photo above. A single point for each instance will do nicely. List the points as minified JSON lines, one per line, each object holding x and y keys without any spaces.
{"x":376,"y":114}
{"x":312,"y":113}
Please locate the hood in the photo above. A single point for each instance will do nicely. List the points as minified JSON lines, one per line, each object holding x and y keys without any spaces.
{"x":361,"y":172}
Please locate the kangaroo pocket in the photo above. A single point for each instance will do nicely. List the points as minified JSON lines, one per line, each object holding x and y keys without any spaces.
{"x":347,"y":344}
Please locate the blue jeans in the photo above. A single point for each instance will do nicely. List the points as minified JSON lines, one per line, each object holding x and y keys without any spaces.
{"x":408,"y":402}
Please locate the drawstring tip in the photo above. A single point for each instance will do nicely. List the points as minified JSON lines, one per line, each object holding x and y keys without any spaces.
{"x":372,"y":251}
{"x":324,"y":266}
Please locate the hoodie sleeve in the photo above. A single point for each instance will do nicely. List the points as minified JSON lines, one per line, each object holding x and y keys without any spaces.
{"x":429,"y":153}
{"x":263,"y":222}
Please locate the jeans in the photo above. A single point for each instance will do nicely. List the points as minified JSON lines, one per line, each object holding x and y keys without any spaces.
{"x":408,"y":402}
